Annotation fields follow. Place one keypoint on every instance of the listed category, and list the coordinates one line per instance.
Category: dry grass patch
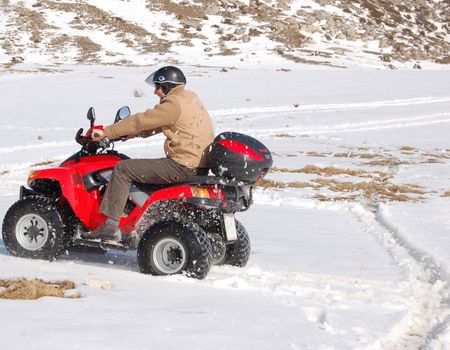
(357, 155)
(88, 49)
(316, 154)
(330, 171)
(44, 162)
(408, 150)
(391, 162)
(26, 289)
(432, 161)
(349, 154)
(264, 183)
(324, 198)
(438, 154)
(373, 189)
(284, 135)
(94, 18)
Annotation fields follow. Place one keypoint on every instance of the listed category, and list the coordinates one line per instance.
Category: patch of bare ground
(91, 17)
(44, 162)
(182, 9)
(284, 135)
(88, 49)
(331, 171)
(357, 155)
(21, 20)
(324, 198)
(52, 70)
(374, 190)
(265, 183)
(407, 148)
(190, 16)
(437, 154)
(371, 190)
(31, 289)
(431, 161)
(316, 154)
(289, 56)
(391, 162)
(349, 154)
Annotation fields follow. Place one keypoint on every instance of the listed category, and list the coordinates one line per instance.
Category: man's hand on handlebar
(97, 135)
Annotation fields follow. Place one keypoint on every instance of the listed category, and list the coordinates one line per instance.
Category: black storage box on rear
(238, 156)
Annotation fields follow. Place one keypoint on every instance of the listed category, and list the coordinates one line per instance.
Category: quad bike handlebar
(90, 146)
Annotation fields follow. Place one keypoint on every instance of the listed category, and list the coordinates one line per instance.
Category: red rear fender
(182, 193)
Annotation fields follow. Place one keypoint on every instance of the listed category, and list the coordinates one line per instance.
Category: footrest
(97, 243)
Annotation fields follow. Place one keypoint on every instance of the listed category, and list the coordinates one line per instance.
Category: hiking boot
(109, 231)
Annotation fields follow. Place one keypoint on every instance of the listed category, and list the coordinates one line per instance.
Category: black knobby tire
(238, 253)
(173, 247)
(33, 228)
(70, 222)
(219, 248)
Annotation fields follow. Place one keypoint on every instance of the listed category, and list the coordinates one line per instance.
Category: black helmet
(168, 77)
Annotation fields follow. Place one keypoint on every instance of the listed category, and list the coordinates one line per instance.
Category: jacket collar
(176, 90)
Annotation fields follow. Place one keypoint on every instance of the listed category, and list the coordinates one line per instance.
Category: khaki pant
(149, 171)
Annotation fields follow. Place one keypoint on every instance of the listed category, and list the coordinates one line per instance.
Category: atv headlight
(34, 174)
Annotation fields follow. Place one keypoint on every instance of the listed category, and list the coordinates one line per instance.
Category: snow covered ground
(337, 263)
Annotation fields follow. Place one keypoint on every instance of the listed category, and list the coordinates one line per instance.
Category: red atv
(176, 228)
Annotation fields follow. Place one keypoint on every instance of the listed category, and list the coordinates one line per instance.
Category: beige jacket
(183, 119)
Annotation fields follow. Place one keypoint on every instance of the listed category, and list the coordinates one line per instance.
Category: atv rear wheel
(238, 253)
(33, 228)
(173, 247)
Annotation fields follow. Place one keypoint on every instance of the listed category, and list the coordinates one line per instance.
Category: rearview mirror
(91, 115)
(122, 113)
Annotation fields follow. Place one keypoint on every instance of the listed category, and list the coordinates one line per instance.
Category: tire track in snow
(327, 289)
(331, 107)
(429, 314)
(63, 144)
(34, 146)
(428, 306)
(371, 125)
(264, 112)
(30, 128)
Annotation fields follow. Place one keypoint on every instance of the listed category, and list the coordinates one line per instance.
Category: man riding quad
(185, 122)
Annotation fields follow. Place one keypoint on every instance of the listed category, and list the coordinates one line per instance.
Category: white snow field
(350, 254)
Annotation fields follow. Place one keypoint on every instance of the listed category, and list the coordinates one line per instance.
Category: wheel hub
(169, 256)
(32, 232)
(174, 255)
(219, 248)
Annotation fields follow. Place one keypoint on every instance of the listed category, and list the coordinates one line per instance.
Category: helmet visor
(149, 80)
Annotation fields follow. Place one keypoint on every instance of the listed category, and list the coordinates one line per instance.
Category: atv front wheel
(172, 247)
(33, 228)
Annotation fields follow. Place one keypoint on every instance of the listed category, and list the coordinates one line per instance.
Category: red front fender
(83, 203)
